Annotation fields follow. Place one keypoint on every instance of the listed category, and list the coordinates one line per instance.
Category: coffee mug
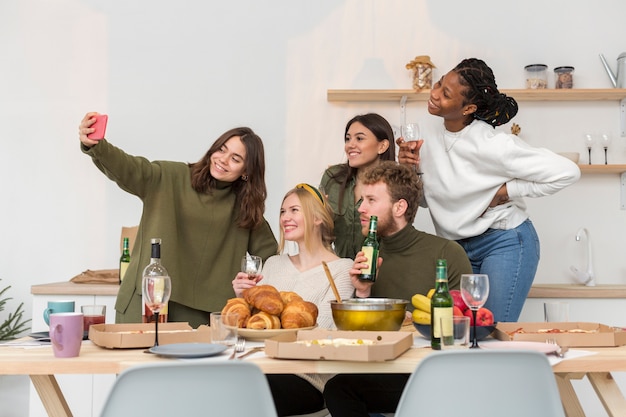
(65, 306)
(66, 334)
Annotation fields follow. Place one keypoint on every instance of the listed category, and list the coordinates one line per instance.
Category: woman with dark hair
(475, 179)
(208, 215)
(368, 139)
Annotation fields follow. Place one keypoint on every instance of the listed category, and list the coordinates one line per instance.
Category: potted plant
(14, 324)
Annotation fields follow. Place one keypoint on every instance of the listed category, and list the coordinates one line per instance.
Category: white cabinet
(85, 394)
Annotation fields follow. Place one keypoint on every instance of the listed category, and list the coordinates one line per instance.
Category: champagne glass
(251, 265)
(605, 140)
(411, 132)
(589, 140)
(156, 290)
(474, 291)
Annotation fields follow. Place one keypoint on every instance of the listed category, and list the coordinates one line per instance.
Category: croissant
(289, 296)
(263, 320)
(239, 306)
(264, 297)
(299, 313)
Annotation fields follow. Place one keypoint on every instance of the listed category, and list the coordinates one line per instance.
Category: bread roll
(289, 296)
(264, 297)
(263, 320)
(299, 313)
(239, 306)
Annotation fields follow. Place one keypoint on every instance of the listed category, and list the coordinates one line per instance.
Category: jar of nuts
(564, 77)
(422, 72)
(536, 76)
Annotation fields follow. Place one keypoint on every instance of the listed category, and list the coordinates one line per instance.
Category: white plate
(254, 334)
(536, 346)
(188, 350)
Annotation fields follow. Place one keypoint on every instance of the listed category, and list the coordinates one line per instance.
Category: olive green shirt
(202, 245)
(348, 234)
(409, 260)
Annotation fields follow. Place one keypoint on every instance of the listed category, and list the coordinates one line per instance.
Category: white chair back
(190, 388)
(483, 383)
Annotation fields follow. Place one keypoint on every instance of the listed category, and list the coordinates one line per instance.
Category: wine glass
(156, 290)
(605, 140)
(411, 132)
(589, 140)
(251, 265)
(474, 291)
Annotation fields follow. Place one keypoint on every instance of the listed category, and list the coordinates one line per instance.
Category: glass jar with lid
(536, 76)
(564, 77)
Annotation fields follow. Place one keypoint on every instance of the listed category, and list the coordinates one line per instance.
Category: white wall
(173, 75)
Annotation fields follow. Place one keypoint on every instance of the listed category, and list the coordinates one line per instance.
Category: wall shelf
(574, 94)
(602, 169)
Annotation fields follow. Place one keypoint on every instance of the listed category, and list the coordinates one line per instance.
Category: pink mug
(66, 334)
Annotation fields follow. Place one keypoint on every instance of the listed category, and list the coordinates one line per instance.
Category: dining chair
(191, 388)
(482, 383)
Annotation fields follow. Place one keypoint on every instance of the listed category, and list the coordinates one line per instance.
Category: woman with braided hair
(475, 179)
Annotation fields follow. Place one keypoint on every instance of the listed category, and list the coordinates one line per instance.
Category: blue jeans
(510, 258)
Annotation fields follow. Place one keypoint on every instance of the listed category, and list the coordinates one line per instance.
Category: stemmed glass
(156, 290)
(605, 140)
(251, 265)
(474, 291)
(589, 140)
(411, 132)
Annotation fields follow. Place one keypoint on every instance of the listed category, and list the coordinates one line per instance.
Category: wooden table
(41, 365)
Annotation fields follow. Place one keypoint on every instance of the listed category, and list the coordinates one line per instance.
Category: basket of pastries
(264, 312)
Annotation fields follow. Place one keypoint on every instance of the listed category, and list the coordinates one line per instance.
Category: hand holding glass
(251, 265)
(157, 290)
(411, 132)
(474, 291)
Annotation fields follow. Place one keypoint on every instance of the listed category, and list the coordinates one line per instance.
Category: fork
(560, 352)
(240, 346)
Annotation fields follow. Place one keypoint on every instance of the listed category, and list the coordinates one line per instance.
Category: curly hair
(402, 183)
(492, 106)
(251, 192)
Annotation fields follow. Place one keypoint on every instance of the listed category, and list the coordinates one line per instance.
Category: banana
(421, 317)
(430, 293)
(421, 302)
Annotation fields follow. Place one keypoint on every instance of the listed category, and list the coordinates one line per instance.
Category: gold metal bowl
(377, 314)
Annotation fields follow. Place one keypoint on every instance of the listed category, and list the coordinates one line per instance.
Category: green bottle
(370, 248)
(124, 259)
(440, 304)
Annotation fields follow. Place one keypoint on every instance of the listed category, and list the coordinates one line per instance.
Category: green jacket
(348, 234)
(202, 245)
(409, 258)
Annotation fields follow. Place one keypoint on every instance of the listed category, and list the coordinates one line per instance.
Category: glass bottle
(124, 259)
(440, 304)
(370, 249)
(154, 269)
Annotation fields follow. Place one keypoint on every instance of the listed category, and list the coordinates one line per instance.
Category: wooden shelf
(602, 169)
(574, 94)
(576, 291)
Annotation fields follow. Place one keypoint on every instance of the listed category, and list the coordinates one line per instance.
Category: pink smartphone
(100, 126)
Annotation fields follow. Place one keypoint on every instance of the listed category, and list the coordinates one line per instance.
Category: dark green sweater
(348, 234)
(409, 259)
(201, 245)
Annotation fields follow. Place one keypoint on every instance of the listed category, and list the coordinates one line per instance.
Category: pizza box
(573, 334)
(336, 345)
(141, 335)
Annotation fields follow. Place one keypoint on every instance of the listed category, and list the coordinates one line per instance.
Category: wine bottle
(154, 269)
(440, 304)
(124, 259)
(370, 249)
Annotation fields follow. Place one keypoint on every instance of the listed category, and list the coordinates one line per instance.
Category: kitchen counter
(72, 288)
(577, 291)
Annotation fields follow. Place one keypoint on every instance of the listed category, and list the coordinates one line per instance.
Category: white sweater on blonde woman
(311, 285)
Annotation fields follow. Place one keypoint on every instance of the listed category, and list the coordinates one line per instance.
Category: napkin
(102, 276)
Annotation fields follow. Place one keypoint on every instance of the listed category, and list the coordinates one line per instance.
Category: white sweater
(463, 171)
